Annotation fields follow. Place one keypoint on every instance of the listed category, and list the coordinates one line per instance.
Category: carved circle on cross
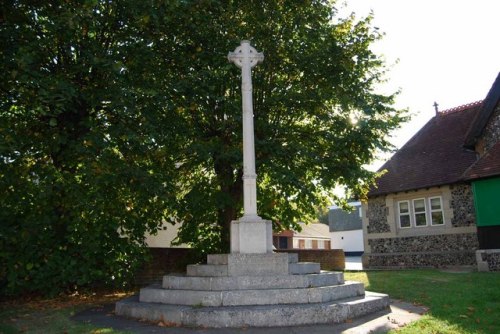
(245, 52)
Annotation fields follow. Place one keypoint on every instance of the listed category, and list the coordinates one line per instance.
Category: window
(436, 209)
(404, 214)
(419, 212)
(283, 243)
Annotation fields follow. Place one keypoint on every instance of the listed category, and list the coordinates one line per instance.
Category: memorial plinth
(251, 237)
(253, 290)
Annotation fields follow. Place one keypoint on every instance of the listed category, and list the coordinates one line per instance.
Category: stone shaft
(246, 57)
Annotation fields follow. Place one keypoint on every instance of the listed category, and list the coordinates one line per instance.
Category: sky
(444, 51)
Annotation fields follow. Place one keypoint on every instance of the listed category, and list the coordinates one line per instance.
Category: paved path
(400, 314)
(353, 263)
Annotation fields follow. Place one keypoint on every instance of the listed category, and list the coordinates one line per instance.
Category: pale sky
(448, 52)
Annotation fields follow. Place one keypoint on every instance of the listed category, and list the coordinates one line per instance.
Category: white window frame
(424, 212)
(404, 214)
(431, 211)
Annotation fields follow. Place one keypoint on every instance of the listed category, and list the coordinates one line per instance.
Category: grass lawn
(459, 303)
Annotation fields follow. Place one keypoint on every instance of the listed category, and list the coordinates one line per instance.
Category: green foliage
(117, 116)
(318, 120)
(84, 164)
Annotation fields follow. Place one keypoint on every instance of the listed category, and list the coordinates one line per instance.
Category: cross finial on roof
(436, 105)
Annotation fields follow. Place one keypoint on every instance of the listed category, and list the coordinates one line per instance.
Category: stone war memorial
(252, 286)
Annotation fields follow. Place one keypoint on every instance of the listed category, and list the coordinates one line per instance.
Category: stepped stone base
(255, 316)
(256, 290)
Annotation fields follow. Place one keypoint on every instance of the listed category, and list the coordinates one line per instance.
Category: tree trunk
(233, 186)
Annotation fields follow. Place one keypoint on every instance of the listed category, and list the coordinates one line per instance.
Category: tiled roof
(313, 231)
(434, 156)
(488, 165)
(461, 108)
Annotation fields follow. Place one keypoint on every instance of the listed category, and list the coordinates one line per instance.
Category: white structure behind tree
(346, 229)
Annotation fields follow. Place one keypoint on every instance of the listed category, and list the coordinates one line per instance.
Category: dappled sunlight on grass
(359, 276)
(458, 302)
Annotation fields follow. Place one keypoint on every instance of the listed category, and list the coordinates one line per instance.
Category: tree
(116, 116)
(86, 155)
(318, 120)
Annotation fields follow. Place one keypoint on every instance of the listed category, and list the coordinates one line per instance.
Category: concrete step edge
(254, 316)
(155, 294)
(183, 282)
(302, 268)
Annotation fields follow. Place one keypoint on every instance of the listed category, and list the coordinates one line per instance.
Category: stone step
(218, 270)
(181, 282)
(228, 258)
(303, 268)
(206, 270)
(251, 297)
(254, 316)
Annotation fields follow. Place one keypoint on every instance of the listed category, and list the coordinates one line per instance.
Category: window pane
(420, 219)
(283, 243)
(404, 221)
(437, 218)
(403, 207)
(419, 205)
(436, 203)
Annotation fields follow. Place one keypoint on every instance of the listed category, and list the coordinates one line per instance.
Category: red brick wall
(164, 261)
(330, 259)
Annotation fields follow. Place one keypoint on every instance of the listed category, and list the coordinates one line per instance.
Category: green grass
(458, 302)
(463, 303)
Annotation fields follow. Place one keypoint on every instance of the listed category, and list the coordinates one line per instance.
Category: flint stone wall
(377, 215)
(425, 243)
(462, 204)
(492, 132)
(493, 260)
(423, 251)
(421, 260)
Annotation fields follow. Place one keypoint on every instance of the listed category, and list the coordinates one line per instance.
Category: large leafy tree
(118, 115)
(318, 119)
(85, 167)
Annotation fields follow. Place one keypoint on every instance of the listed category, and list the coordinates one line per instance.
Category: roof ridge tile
(460, 108)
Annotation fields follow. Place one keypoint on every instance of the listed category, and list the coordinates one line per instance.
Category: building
(311, 236)
(164, 237)
(440, 189)
(346, 230)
